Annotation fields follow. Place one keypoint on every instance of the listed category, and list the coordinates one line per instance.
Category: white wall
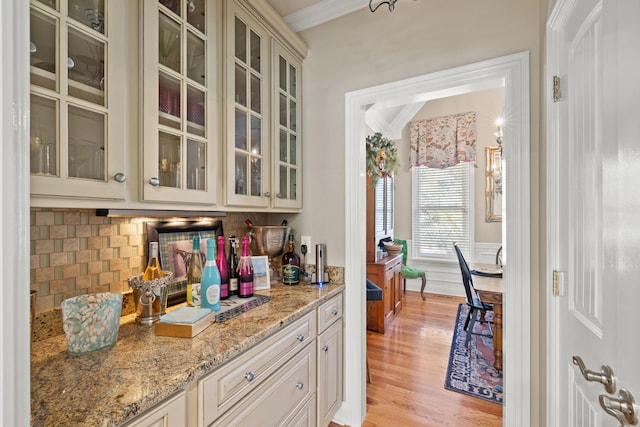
(364, 49)
(488, 106)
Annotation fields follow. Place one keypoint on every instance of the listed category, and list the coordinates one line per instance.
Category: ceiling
(303, 14)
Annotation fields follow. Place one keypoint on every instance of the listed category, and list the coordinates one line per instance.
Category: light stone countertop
(110, 387)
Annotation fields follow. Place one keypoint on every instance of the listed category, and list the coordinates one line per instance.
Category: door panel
(594, 160)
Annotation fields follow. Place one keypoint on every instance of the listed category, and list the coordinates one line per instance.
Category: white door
(594, 209)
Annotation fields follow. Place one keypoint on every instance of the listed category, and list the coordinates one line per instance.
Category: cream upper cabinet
(263, 114)
(180, 132)
(78, 139)
(287, 132)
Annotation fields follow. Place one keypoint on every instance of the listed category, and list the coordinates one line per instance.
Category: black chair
(476, 306)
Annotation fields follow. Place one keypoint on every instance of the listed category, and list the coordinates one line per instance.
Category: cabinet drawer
(172, 412)
(329, 312)
(234, 380)
(282, 395)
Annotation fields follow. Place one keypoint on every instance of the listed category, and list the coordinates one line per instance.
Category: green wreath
(382, 157)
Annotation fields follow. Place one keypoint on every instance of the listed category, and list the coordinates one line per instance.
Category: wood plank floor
(408, 365)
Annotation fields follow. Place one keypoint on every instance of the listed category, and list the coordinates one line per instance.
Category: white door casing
(511, 72)
(593, 238)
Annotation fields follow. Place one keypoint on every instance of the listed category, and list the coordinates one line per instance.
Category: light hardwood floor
(408, 365)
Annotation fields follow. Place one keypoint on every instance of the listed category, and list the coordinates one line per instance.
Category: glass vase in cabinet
(179, 101)
(77, 110)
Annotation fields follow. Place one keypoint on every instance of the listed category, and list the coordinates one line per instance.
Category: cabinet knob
(325, 348)
(299, 386)
(249, 376)
(267, 194)
(154, 181)
(279, 196)
(120, 177)
(300, 338)
(334, 312)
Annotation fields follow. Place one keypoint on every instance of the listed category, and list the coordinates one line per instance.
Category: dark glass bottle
(245, 271)
(233, 266)
(223, 268)
(291, 264)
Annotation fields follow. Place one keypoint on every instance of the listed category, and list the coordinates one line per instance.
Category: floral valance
(444, 141)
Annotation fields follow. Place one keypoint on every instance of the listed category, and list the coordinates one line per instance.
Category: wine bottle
(153, 270)
(233, 266)
(291, 264)
(194, 274)
(223, 268)
(211, 279)
(245, 271)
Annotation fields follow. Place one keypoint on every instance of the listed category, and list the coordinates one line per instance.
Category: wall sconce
(498, 133)
(391, 3)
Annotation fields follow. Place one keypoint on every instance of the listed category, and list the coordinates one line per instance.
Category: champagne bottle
(291, 264)
(223, 268)
(153, 270)
(211, 279)
(245, 271)
(194, 274)
(233, 266)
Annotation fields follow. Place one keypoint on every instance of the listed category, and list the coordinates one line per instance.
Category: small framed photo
(261, 279)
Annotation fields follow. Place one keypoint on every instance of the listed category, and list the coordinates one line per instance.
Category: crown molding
(322, 12)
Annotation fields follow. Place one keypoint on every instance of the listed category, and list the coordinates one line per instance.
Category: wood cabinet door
(397, 287)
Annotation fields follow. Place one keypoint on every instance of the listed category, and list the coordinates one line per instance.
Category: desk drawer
(233, 381)
(281, 396)
(329, 312)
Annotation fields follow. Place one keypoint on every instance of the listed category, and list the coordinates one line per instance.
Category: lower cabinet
(387, 274)
(329, 372)
(279, 397)
(292, 378)
(172, 412)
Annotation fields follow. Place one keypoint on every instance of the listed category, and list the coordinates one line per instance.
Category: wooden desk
(491, 290)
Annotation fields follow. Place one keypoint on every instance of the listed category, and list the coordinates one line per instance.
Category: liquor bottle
(211, 279)
(153, 270)
(194, 274)
(233, 266)
(245, 271)
(223, 268)
(291, 264)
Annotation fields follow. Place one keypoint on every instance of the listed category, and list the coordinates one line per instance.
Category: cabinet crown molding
(263, 11)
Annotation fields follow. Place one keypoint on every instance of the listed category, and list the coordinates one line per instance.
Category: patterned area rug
(471, 370)
(230, 308)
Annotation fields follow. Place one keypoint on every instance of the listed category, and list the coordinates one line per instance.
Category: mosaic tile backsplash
(75, 252)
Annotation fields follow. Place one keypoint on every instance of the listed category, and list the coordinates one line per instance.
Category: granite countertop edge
(111, 387)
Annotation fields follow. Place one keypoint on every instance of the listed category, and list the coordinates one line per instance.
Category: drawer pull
(300, 338)
(334, 312)
(249, 376)
(325, 348)
(299, 386)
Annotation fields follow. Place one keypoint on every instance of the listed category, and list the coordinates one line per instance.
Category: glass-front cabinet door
(77, 112)
(180, 133)
(287, 153)
(247, 68)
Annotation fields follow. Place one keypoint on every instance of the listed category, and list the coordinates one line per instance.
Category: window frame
(467, 244)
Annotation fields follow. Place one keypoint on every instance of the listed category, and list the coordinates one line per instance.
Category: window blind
(442, 210)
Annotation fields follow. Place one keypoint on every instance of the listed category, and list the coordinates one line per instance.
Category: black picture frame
(177, 236)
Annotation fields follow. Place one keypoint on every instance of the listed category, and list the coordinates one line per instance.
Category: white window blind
(442, 210)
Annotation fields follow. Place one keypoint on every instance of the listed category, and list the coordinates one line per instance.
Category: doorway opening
(512, 73)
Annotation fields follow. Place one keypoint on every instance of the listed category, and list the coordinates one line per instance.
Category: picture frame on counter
(175, 242)
(261, 276)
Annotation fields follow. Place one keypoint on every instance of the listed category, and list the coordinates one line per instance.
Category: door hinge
(556, 88)
(556, 285)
